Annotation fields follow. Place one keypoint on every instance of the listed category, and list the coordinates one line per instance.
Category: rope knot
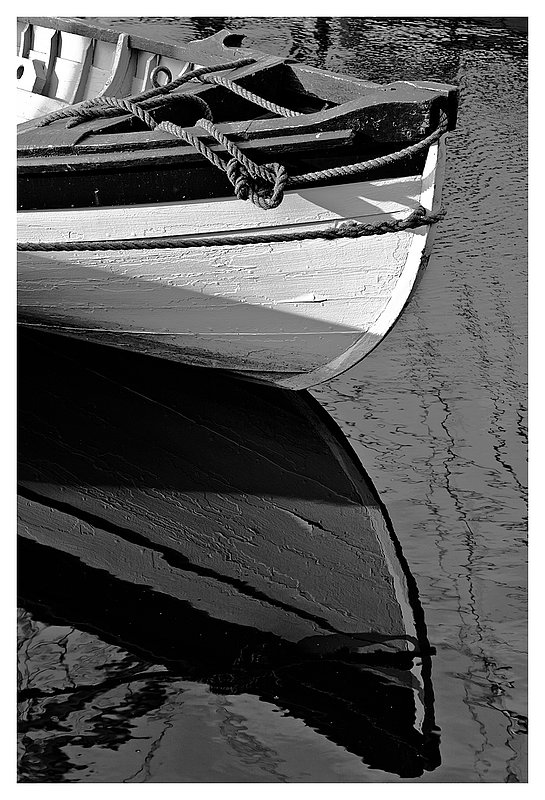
(255, 187)
(239, 177)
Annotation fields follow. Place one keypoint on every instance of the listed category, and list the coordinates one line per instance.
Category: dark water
(437, 415)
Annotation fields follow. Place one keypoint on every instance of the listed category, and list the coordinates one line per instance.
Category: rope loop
(200, 107)
(254, 188)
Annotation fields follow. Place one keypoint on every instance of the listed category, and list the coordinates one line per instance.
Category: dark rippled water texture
(438, 416)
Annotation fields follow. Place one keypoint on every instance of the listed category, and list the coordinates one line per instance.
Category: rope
(250, 181)
(264, 184)
(374, 163)
(351, 230)
(241, 168)
(253, 98)
(112, 109)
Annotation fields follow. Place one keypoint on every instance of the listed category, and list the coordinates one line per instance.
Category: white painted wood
(41, 39)
(223, 215)
(31, 105)
(341, 282)
(24, 38)
(119, 82)
(305, 275)
(312, 307)
(145, 64)
(72, 66)
(45, 42)
(104, 55)
(420, 248)
(96, 80)
(72, 75)
(100, 69)
(73, 47)
(31, 75)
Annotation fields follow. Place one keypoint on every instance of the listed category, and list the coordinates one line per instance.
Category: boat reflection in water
(218, 531)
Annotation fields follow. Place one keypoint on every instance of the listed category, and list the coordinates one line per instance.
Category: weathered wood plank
(303, 206)
(288, 300)
(185, 51)
(387, 115)
(119, 82)
(31, 105)
(73, 144)
(24, 38)
(146, 63)
(45, 43)
(31, 75)
(240, 274)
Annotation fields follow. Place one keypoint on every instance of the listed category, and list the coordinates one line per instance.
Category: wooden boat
(280, 241)
(227, 531)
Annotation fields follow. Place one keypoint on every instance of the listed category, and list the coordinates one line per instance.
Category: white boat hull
(291, 313)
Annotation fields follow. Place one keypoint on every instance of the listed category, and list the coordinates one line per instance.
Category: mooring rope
(348, 230)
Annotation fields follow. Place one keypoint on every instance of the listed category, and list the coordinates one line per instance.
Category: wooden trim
(51, 57)
(79, 89)
(32, 75)
(25, 41)
(115, 84)
(119, 149)
(152, 61)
